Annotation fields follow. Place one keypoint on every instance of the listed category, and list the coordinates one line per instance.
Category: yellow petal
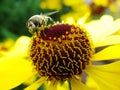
(56, 85)
(76, 84)
(71, 3)
(21, 46)
(111, 52)
(106, 76)
(110, 40)
(36, 84)
(103, 3)
(99, 29)
(51, 85)
(6, 45)
(63, 86)
(13, 72)
(91, 83)
(31, 79)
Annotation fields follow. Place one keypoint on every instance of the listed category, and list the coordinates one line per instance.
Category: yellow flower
(73, 17)
(5, 46)
(113, 5)
(62, 53)
(79, 10)
(14, 66)
(54, 4)
(72, 3)
(104, 3)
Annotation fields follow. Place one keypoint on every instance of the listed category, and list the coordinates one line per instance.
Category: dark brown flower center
(60, 51)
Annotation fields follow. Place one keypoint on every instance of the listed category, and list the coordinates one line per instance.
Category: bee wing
(50, 13)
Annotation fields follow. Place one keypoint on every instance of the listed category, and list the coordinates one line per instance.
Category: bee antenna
(50, 13)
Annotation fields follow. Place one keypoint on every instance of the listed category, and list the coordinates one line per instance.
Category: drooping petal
(110, 40)
(111, 52)
(36, 84)
(76, 84)
(106, 76)
(13, 72)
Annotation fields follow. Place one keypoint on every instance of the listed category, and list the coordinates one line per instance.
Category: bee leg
(43, 33)
(44, 21)
(36, 31)
(31, 31)
(50, 19)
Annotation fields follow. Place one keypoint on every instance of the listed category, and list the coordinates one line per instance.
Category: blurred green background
(14, 14)
(13, 17)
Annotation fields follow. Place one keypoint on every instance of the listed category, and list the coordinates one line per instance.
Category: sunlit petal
(19, 49)
(13, 72)
(110, 40)
(106, 76)
(21, 46)
(111, 52)
(99, 29)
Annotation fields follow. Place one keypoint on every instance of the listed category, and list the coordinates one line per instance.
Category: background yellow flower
(15, 68)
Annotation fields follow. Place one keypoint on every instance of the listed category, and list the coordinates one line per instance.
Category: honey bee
(36, 22)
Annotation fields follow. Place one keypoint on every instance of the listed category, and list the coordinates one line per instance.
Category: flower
(5, 46)
(14, 65)
(62, 53)
(112, 5)
(103, 3)
(71, 9)
(55, 5)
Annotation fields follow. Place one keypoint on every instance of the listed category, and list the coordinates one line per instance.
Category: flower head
(63, 52)
(65, 57)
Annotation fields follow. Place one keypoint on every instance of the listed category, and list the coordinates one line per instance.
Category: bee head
(34, 23)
